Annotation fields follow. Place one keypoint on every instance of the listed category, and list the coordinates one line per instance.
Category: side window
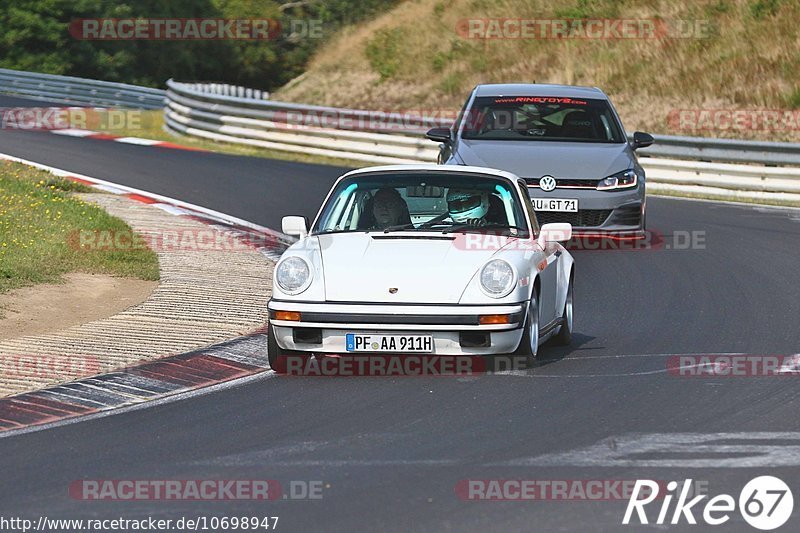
(528, 206)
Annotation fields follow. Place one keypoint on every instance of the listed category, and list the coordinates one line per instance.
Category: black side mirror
(642, 139)
(439, 135)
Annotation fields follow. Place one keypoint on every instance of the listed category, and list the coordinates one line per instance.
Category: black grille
(628, 216)
(581, 219)
(589, 184)
(561, 182)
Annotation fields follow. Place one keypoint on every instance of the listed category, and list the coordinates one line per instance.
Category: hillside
(703, 55)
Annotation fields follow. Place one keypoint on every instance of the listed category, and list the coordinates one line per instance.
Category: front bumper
(599, 212)
(455, 328)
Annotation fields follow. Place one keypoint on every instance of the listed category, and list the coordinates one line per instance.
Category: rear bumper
(455, 329)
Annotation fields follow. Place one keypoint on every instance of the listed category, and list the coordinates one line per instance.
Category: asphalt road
(390, 452)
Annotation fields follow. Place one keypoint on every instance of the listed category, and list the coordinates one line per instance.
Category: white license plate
(388, 343)
(569, 205)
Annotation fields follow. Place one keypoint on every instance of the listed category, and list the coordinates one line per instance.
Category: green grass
(39, 219)
(382, 52)
(707, 54)
(151, 126)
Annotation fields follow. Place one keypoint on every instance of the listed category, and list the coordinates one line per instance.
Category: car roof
(539, 89)
(433, 167)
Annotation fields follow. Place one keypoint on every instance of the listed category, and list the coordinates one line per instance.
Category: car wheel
(529, 345)
(277, 356)
(564, 336)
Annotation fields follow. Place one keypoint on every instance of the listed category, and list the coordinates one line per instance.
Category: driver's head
(387, 207)
(466, 204)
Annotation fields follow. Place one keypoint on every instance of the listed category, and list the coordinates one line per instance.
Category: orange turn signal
(485, 320)
(287, 315)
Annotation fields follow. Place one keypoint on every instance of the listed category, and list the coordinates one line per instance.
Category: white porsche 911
(422, 259)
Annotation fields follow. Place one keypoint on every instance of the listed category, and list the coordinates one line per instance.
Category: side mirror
(294, 226)
(642, 139)
(556, 232)
(439, 135)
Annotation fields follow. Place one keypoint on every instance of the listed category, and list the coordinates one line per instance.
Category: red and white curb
(170, 375)
(271, 243)
(160, 378)
(89, 134)
(151, 383)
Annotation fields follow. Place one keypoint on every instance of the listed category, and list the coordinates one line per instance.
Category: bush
(382, 51)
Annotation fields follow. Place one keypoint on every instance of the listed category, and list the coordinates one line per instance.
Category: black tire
(564, 336)
(529, 346)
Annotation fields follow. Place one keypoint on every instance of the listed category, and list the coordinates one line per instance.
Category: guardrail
(81, 91)
(723, 181)
(233, 114)
(689, 166)
(206, 110)
(724, 150)
(686, 166)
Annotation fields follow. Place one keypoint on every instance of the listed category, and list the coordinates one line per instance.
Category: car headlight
(497, 278)
(620, 180)
(293, 275)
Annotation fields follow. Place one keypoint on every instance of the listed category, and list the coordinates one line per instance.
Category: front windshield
(536, 118)
(439, 201)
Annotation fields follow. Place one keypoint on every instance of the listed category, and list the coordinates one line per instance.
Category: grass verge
(37, 216)
(707, 55)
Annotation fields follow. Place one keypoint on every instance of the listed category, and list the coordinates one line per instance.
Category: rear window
(541, 118)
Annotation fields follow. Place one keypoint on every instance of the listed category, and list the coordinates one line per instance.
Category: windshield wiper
(462, 227)
(398, 227)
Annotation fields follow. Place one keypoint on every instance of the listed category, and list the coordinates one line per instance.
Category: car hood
(533, 159)
(362, 267)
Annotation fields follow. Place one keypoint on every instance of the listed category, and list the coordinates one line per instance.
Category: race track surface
(390, 451)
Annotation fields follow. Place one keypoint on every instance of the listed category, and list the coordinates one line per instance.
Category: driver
(468, 206)
(389, 208)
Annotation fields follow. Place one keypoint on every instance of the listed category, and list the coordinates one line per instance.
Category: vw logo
(547, 183)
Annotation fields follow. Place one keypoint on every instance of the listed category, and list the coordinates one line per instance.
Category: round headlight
(293, 275)
(497, 278)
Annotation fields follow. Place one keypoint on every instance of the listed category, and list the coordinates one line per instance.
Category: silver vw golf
(566, 142)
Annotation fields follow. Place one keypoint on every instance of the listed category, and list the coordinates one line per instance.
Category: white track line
(138, 140)
(72, 132)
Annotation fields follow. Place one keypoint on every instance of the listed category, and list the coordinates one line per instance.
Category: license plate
(389, 343)
(569, 205)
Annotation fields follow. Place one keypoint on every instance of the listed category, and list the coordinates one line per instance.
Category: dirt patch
(81, 298)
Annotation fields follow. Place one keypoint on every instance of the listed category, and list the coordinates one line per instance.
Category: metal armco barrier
(725, 150)
(205, 110)
(691, 166)
(80, 91)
